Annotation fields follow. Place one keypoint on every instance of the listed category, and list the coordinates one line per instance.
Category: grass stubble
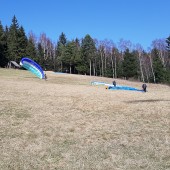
(65, 123)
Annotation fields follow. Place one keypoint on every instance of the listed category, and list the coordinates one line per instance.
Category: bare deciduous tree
(139, 49)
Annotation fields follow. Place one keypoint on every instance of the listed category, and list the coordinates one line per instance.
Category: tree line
(87, 56)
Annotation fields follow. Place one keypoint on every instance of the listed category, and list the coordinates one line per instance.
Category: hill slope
(65, 123)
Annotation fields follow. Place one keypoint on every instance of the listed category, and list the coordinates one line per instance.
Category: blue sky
(140, 21)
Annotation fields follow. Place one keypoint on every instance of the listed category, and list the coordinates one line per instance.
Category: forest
(87, 56)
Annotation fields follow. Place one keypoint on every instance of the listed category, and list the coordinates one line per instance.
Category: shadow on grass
(30, 77)
(147, 101)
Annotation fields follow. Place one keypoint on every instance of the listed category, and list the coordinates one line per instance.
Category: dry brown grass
(65, 123)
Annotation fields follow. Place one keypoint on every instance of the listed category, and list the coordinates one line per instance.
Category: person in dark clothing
(144, 86)
(45, 76)
(114, 83)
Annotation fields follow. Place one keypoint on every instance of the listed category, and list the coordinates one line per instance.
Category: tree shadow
(147, 101)
(30, 77)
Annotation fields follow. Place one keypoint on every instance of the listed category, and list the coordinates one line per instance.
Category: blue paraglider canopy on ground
(33, 67)
(117, 87)
(123, 88)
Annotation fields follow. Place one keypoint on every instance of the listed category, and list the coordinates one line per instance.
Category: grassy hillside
(65, 123)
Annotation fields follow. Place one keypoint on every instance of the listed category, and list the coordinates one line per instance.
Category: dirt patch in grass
(65, 123)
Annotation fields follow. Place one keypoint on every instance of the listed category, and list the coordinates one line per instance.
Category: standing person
(144, 86)
(114, 83)
(45, 76)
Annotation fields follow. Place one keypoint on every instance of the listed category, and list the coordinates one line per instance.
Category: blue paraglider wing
(123, 88)
(33, 67)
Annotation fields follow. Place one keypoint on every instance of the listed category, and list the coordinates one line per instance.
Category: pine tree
(120, 69)
(12, 41)
(88, 52)
(160, 72)
(62, 39)
(60, 51)
(168, 63)
(78, 57)
(130, 65)
(22, 42)
(6, 42)
(31, 49)
(40, 54)
(68, 56)
(168, 49)
(71, 56)
(3, 59)
(168, 43)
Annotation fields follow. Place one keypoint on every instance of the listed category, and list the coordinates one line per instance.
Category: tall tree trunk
(147, 75)
(115, 65)
(95, 64)
(90, 67)
(54, 59)
(45, 58)
(100, 72)
(94, 70)
(61, 66)
(70, 68)
(102, 64)
(54, 62)
(152, 68)
(162, 58)
(112, 65)
(141, 70)
(105, 63)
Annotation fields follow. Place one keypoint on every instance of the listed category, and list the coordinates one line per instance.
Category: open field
(64, 123)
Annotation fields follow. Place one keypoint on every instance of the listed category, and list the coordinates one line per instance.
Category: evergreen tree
(59, 55)
(71, 56)
(61, 44)
(22, 42)
(168, 49)
(12, 41)
(3, 59)
(40, 54)
(6, 41)
(60, 51)
(168, 43)
(130, 65)
(31, 49)
(120, 69)
(160, 72)
(88, 52)
(168, 63)
(68, 56)
(78, 58)
(62, 39)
